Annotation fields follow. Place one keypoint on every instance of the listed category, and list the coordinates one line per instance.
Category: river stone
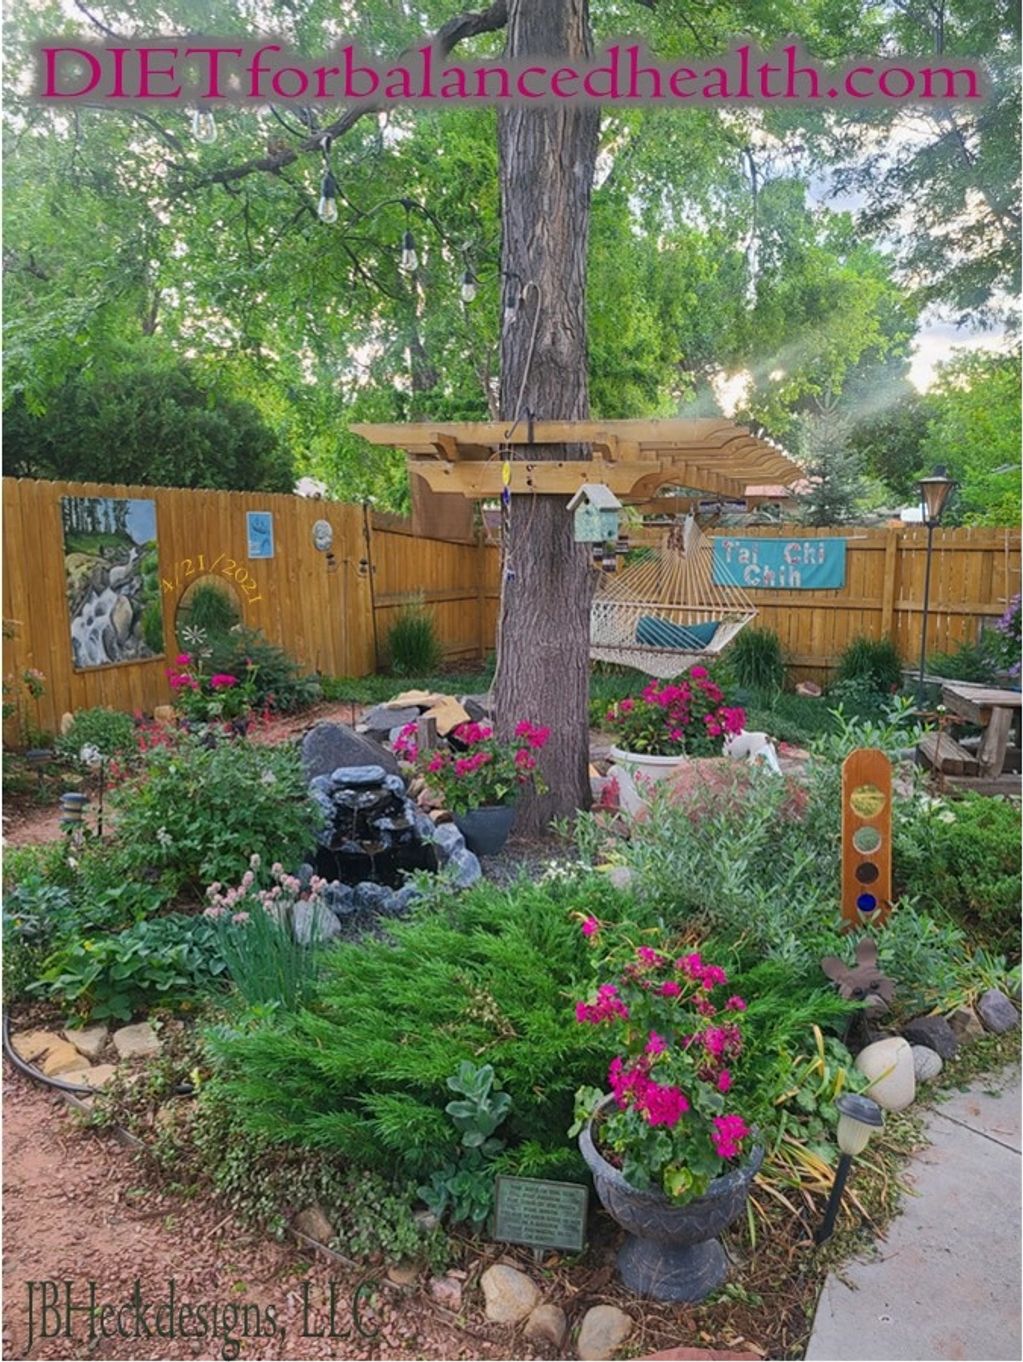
(510, 1294)
(604, 1329)
(997, 1012)
(547, 1324)
(966, 1025)
(927, 1063)
(328, 746)
(935, 1033)
(402, 899)
(466, 867)
(372, 897)
(357, 777)
(447, 839)
(894, 1090)
(313, 923)
(396, 785)
(136, 1042)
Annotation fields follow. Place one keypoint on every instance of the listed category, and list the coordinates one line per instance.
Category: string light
(511, 298)
(468, 286)
(326, 209)
(204, 125)
(409, 259)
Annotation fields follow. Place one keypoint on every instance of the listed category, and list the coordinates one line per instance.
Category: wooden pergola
(633, 458)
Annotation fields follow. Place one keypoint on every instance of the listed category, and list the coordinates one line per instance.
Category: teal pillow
(687, 638)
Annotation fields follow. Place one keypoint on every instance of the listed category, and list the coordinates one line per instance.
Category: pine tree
(834, 469)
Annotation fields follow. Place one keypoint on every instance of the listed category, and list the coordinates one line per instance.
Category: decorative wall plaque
(541, 1214)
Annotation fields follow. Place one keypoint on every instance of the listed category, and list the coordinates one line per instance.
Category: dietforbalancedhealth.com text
(208, 70)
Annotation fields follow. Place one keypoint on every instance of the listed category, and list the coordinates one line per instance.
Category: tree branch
(456, 30)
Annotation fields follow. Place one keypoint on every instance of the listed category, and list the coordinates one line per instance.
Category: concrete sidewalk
(946, 1282)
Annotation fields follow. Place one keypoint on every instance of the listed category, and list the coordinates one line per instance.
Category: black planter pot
(672, 1252)
(486, 829)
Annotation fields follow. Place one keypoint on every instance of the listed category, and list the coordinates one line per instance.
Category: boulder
(89, 1041)
(328, 746)
(996, 1012)
(927, 1063)
(313, 924)
(32, 1045)
(448, 714)
(547, 1324)
(935, 1033)
(340, 899)
(447, 1292)
(313, 1223)
(59, 1059)
(402, 900)
(888, 1064)
(510, 1295)
(465, 868)
(372, 897)
(136, 1042)
(478, 707)
(381, 719)
(604, 1329)
(357, 777)
(447, 839)
(966, 1025)
(395, 784)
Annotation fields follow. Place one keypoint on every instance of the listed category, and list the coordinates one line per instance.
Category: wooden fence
(332, 611)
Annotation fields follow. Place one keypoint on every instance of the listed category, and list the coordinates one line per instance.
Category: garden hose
(76, 1089)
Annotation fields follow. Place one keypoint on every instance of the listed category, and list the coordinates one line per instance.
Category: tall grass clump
(757, 661)
(412, 642)
(268, 966)
(872, 662)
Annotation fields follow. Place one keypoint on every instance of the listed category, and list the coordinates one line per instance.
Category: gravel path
(76, 1210)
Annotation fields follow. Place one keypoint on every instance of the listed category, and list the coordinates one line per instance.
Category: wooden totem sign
(866, 838)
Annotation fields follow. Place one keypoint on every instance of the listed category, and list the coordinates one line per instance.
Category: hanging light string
(326, 209)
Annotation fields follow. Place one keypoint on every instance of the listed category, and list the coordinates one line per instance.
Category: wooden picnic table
(992, 709)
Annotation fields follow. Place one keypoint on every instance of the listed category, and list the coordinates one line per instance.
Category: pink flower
(524, 759)
(670, 989)
(184, 659)
(690, 964)
(627, 705)
(608, 1005)
(724, 1080)
(713, 975)
(590, 927)
(534, 736)
(664, 1105)
(727, 1134)
(240, 918)
(697, 673)
(436, 762)
(222, 681)
(649, 956)
(736, 1004)
(656, 1044)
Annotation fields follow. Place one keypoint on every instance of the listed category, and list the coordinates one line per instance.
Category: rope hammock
(665, 612)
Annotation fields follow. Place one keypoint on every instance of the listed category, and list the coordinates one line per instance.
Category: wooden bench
(993, 710)
(942, 753)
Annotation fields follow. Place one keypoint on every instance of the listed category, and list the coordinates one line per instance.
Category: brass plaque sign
(540, 1214)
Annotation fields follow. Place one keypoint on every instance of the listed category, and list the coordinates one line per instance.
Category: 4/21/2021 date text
(229, 567)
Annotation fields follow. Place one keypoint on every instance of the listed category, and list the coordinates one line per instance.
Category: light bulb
(511, 302)
(409, 259)
(326, 209)
(204, 125)
(468, 286)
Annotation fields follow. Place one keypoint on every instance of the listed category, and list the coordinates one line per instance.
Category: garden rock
(604, 1329)
(357, 777)
(447, 840)
(935, 1033)
(478, 707)
(447, 1292)
(466, 867)
(32, 1045)
(809, 689)
(402, 899)
(888, 1064)
(60, 1058)
(927, 1063)
(370, 897)
(328, 746)
(89, 1041)
(314, 924)
(90, 1075)
(403, 1274)
(381, 720)
(340, 899)
(321, 785)
(997, 1012)
(966, 1025)
(510, 1294)
(547, 1324)
(395, 784)
(136, 1042)
(313, 1223)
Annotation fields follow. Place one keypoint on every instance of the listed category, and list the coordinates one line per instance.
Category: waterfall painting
(112, 580)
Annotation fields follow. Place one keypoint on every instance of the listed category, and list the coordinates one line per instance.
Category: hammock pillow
(683, 638)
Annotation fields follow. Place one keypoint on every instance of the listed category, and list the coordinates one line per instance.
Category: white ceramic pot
(642, 764)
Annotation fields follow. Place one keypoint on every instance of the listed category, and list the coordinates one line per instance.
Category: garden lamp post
(934, 493)
(858, 1118)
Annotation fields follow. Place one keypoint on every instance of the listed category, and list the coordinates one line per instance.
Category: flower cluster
(678, 1040)
(276, 898)
(679, 718)
(208, 699)
(1008, 629)
(474, 769)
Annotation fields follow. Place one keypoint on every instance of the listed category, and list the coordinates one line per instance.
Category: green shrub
(277, 678)
(969, 662)
(163, 961)
(963, 858)
(757, 661)
(211, 609)
(412, 644)
(196, 813)
(872, 664)
(493, 972)
(110, 732)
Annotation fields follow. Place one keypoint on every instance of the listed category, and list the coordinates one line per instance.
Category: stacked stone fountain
(373, 834)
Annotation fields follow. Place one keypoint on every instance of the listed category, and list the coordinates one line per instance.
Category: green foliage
(195, 813)
(492, 971)
(872, 664)
(412, 643)
(110, 732)
(275, 678)
(834, 469)
(464, 1186)
(798, 719)
(969, 662)
(32, 913)
(962, 857)
(757, 661)
(268, 966)
(210, 608)
(163, 961)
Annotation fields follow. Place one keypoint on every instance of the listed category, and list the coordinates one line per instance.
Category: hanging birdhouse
(595, 509)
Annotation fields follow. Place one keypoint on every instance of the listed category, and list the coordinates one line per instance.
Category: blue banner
(779, 564)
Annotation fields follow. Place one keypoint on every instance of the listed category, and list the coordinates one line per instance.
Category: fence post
(891, 572)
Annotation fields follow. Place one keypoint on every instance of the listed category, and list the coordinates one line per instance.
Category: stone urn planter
(486, 829)
(672, 1252)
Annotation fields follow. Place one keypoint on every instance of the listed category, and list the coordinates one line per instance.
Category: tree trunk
(547, 161)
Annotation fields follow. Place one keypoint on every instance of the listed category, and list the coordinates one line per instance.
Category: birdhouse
(595, 509)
